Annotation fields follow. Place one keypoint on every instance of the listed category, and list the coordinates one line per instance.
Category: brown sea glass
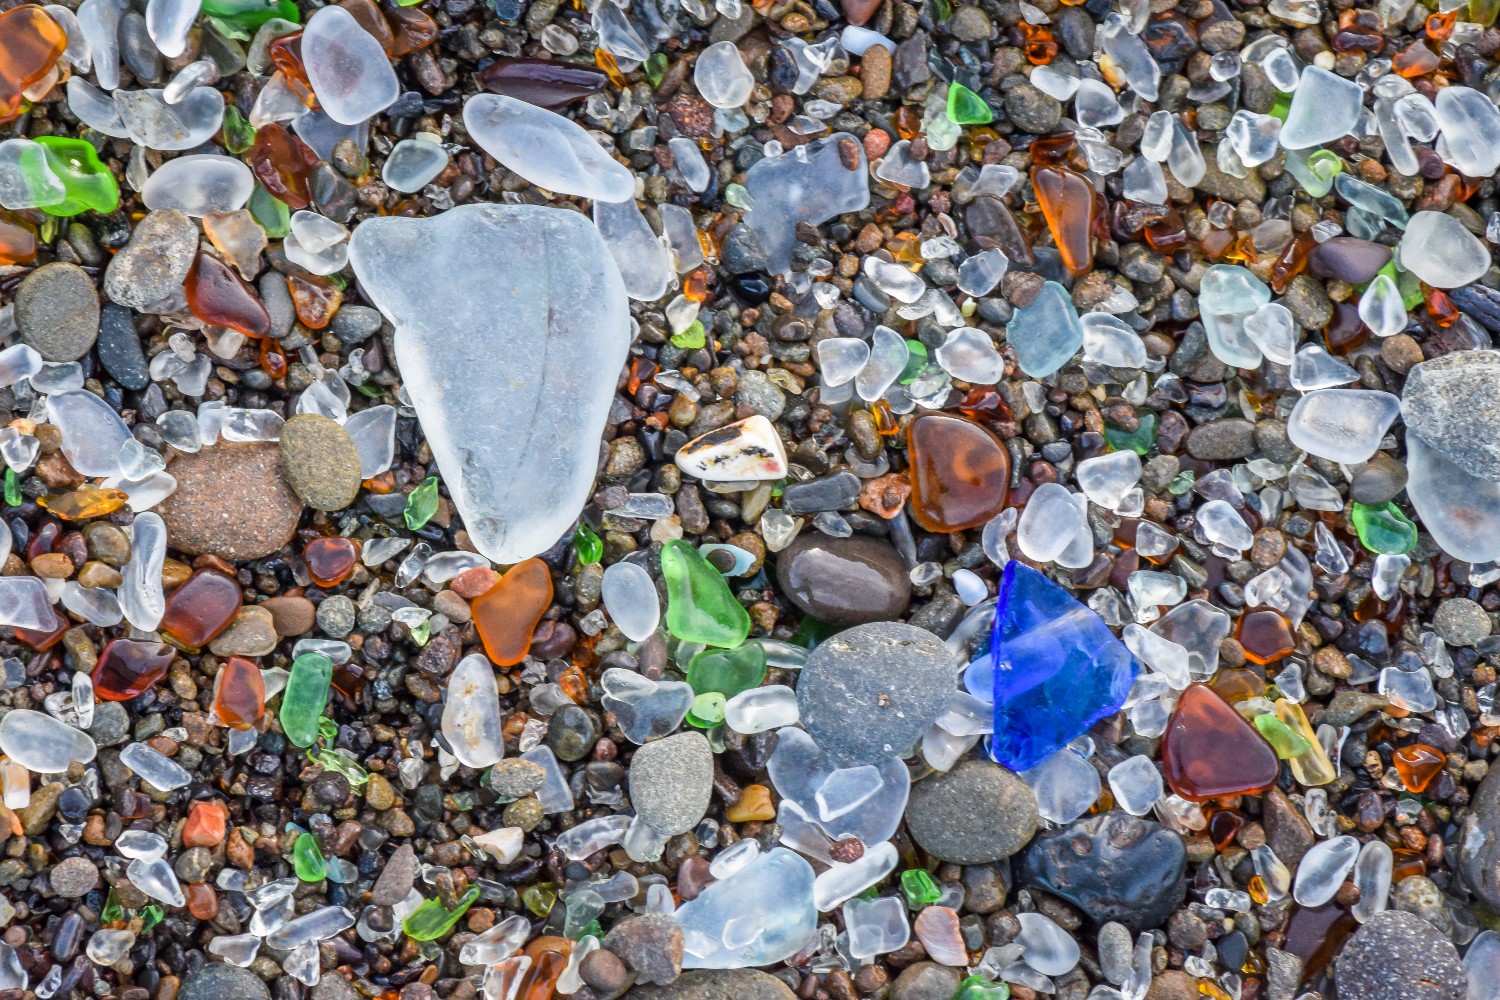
(412, 28)
(202, 901)
(960, 472)
(283, 163)
(1265, 634)
(1067, 201)
(44, 639)
(201, 608)
(17, 242)
(369, 17)
(315, 299)
(330, 560)
(506, 615)
(82, 504)
(547, 83)
(1209, 751)
(239, 693)
(31, 42)
(219, 297)
(128, 668)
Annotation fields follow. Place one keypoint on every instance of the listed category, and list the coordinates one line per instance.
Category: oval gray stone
(217, 981)
(717, 984)
(872, 691)
(57, 311)
(1479, 842)
(1453, 404)
(976, 813)
(671, 781)
(511, 329)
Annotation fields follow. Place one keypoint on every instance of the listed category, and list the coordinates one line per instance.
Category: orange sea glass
(1209, 751)
(1068, 204)
(507, 614)
(1265, 634)
(17, 243)
(219, 297)
(201, 608)
(80, 505)
(1417, 765)
(960, 472)
(128, 668)
(315, 299)
(330, 560)
(239, 693)
(31, 42)
(44, 639)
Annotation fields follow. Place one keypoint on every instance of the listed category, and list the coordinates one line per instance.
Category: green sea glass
(700, 605)
(305, 695)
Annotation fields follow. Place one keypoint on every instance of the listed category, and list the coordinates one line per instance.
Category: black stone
(1112, 866)
(120, 348)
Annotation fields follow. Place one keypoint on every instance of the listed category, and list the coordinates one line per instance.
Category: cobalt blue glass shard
(1054, 669)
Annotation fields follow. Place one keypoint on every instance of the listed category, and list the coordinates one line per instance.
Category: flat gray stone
(1453, 404)
(156, 261)
(717, 984)
(1399, 956)
(671, 781)
(511, 330)
(1478, 860)
(976, 813)
(871, 692)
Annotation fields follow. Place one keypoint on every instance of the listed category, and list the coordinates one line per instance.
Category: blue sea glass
(1054, 669)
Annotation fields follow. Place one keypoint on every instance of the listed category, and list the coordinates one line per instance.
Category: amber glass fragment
(1037, 42)
(80, 505)
(272, 358)
(1314, 934)
(1067, 201)
(17, 243)
(128, 668)
(1223, 825)
(542, 979)
(411, 28)
(316, 299)
(1265, 634)
(239, 693)
(960, 472)
(1235, 684)
(1417, 765)
(31, 42)
(201, 608)
(1209, 751)
(1292, 261)
(202, 901)
(218, 296)
(507, 614)
(1346, 332)
(330, 560)
(1415, 60)
(369, 17)
(285, 54)
(44, 639)
(282, 163)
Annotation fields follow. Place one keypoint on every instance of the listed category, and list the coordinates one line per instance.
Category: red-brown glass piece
(218, 296)
(1210, 751)
(1067, 201)
(412, 29)
(129, 667)
(202, 901)
(283, 163)
(239, 693)
(960, 472)
(506, 615)
(201, 608)
(44, 639)
(1265, 634)
(330, 560)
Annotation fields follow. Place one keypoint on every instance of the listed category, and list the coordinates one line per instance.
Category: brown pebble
(291, 615)
(603, 972)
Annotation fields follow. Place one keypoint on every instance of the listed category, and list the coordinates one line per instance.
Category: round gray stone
(717, 984)
(73, 877)
(155, 262)
(976, 813)
(319, 461)
(926, 981)
(1461, 622)
(1399, 956)
(671, 781)
(872, 691)
(1453, 404)
(57, 311)
(218, 981)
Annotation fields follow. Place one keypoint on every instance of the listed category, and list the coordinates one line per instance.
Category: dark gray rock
(975, 813)
(217, 981)
(1112, 866)
(671, 781)
(1222, 440)
(1453, 404)
(1377, 481)
(844, 581)
(119, 348)
(871, 691)
(831, 492)
(1479, 842)
(57, 311)
(1399, 956)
